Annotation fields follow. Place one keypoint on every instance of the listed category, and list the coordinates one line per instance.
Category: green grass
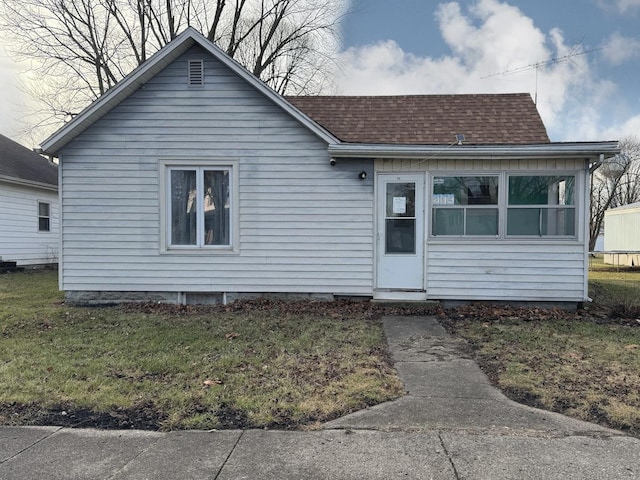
(203, 368)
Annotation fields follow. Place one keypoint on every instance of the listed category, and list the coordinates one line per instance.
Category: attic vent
(196, 73)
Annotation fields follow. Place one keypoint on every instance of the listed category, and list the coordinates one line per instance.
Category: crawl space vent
(196, 73)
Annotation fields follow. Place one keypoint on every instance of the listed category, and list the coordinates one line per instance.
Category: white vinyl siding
(303, 226)
(506, 271)
(20, 238)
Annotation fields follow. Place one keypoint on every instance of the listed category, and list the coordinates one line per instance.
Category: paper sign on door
(399, 205)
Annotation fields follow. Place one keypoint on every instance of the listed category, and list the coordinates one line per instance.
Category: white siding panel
(20, 240)
(506, 271)
(304, 226)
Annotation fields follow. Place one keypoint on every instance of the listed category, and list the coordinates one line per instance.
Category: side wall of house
(527, 269)
(304, 226)
(20, 240)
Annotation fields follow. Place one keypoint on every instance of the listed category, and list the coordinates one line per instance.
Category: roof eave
(565, 149)
(96, 110)
(28, 183)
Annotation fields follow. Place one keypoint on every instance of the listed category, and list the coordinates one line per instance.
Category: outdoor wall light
(362, 175)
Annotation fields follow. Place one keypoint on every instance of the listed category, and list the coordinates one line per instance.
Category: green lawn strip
(199, 369)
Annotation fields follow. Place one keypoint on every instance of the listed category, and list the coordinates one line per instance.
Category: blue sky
(428, 46)
(461, 46)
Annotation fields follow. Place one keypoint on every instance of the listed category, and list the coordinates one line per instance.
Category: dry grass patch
(585, 367)
(257, 364)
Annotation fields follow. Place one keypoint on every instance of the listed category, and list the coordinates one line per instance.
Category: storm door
(400, 236)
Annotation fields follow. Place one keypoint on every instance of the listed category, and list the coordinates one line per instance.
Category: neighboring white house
(192, 181)
(28, 206)
(622, 235)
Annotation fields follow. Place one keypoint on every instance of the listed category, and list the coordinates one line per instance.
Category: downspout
(593, 167)
(589, 171)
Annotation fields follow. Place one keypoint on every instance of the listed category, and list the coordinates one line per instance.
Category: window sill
(503, 241)
(200, 251)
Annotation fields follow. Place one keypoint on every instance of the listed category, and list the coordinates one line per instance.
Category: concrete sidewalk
(452, 425)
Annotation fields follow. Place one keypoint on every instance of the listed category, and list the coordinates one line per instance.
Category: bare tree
(81, 48)
(614, 184)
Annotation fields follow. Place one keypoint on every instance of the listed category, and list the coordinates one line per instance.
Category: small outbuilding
(28, 206)
(622, 235)
(192, 181)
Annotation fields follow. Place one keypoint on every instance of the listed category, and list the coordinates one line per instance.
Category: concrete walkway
(452, 425)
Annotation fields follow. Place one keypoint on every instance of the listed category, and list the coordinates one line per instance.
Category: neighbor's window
(200, 207)
(541, 206)
(465, 205)
(44, 217)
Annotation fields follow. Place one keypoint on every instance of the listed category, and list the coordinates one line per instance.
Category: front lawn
(584, 364)
(255, 364)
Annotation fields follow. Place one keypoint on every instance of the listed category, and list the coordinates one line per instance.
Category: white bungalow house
(28, 206)
(191, 181)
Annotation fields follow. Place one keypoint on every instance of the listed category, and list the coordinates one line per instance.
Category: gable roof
(506, 119)
(21, 165)
(152, 67)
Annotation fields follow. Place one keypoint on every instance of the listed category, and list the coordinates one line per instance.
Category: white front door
(400, 236)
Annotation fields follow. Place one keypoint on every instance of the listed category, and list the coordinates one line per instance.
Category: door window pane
(400, 235)
(401, 200)
(400, 221)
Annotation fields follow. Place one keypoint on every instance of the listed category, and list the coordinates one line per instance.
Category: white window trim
(464, 207)
(503, 206)
(165, 166)
(576, 206)
(42, 216)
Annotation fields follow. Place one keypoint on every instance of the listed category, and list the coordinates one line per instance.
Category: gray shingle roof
(484, 119)
(20, 163)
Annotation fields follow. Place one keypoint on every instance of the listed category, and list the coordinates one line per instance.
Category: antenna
(565, 58)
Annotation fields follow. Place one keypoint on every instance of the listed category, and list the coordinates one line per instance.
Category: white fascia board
(142, 74)
(28, 183)
(426, 152)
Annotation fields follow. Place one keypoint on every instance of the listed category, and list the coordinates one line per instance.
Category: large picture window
(541, 206)
(465, 205)
(200, 206)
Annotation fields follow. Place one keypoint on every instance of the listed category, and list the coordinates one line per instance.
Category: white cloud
(618, 49)
(625, 5)
(495, 48)
(622, 7)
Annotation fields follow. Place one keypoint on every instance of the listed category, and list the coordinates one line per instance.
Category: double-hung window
(200, 210)
(465, 205)
(44, 217)
(541, 206)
